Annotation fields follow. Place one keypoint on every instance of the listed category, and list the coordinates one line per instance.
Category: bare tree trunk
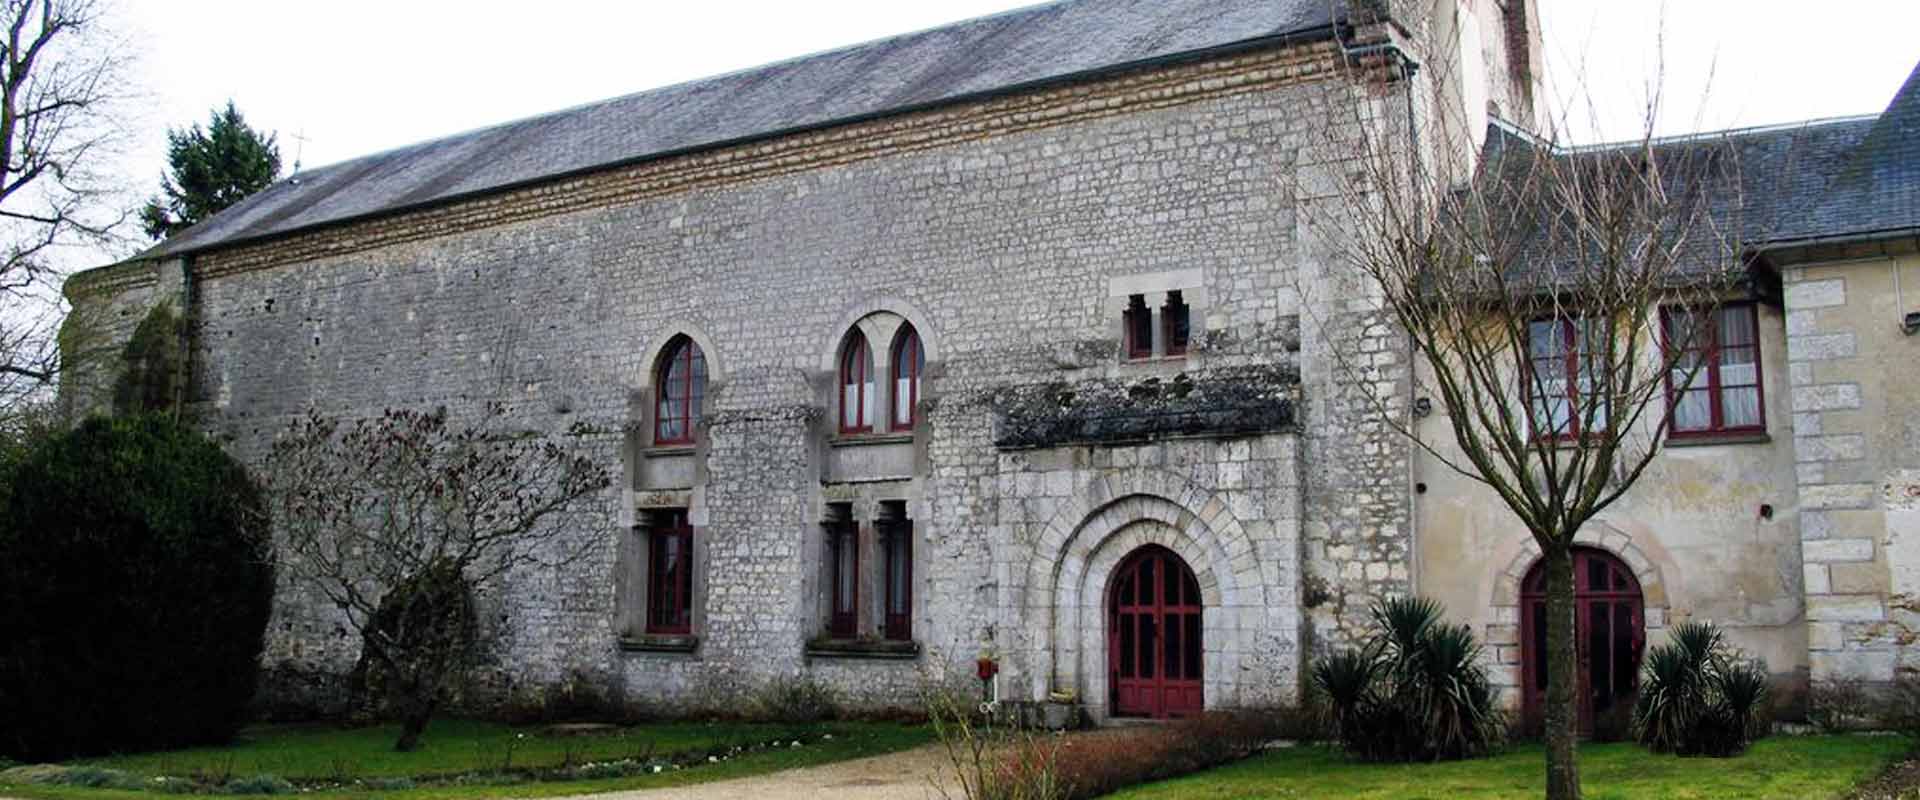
(1562, 715)
(415, 713)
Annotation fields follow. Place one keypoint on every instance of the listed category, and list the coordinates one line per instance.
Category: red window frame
(670, 573)
(896, 552)
(1570, 372)
(855, 362)
(687, 387)
(1138, 319)
(1710, 352)
(843, 579)
(908, 361)
(1175, 323)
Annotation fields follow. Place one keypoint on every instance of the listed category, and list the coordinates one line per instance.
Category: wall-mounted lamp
(1911, 324)
(1422, 406)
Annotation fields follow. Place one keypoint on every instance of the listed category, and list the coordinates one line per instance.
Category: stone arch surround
(1077, 551)
(1639, 552)
(828, 351)
(716, 368)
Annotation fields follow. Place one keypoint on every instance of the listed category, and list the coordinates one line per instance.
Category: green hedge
(136, 580)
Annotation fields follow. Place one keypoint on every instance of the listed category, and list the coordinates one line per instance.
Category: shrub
(1098, 765)
(799, 699)
(1839, 704)
(994, 761)
(1698, 698)
(135, 584)
(1414, 691)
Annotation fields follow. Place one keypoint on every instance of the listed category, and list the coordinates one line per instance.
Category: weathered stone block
(1816, 294)
(1826, 397)
(1846, 608)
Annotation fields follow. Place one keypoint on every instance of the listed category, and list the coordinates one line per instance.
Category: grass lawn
(1788, 768)
(309, 754)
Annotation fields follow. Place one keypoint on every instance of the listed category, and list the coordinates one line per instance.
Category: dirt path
(894, 775)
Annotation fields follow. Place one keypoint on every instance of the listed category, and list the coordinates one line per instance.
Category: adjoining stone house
(986, 339)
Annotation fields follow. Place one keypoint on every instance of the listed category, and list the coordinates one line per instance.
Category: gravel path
(895, 775)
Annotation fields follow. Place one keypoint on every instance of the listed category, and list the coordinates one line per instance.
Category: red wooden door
(1609, 635)
(1154, 637)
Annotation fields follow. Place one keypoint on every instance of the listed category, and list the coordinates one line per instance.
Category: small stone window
(1713, 386)
(669, 572)
(1139, 323)
(843, 573)
(1174, 324)
(896, 553)
(856, 385)
(909, 360)
(680, 384)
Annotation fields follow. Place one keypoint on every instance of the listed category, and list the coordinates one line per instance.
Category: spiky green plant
(1697, 697)
(1415, 691)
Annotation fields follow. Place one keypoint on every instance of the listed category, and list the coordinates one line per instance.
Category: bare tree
(1551, 297)
(401, 520)
(63, 83)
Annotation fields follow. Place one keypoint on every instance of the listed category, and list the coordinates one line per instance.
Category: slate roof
(1017, 49)
(1878, 189)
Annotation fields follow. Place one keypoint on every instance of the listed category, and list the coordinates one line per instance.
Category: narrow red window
(681, 383)
(1565, 377)
(896, 544)
(1139, 324)
(1174, 324)
(1713, 386)
(856, 385)
(843, 578)
(908, 362)
(670, 573)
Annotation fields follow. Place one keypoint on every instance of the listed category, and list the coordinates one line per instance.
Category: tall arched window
(909, 360)
(680, 385)
(856, 385)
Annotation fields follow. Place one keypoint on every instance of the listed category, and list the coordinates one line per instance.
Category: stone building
(989, 339)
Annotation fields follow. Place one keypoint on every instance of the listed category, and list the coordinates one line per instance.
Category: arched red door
(1609, 635)
(1154, 637)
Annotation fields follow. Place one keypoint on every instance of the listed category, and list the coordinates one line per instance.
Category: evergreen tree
(211, 170)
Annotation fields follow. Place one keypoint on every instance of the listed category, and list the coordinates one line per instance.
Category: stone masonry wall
(1001, 232)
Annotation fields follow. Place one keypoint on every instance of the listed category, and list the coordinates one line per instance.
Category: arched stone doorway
(1154, 637)
(1609, 634)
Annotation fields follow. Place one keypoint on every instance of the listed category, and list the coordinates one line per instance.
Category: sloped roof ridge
(1029, 46)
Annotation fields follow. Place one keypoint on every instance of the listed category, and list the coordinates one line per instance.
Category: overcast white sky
(344, 78)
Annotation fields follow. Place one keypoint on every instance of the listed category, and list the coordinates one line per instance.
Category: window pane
(1126, 645)
(1149, 642)
(844, 568)
(1193, 647)
(903, 392)
(897, 566)
(1736, 326)
(856, 383)
(1740, 407)
(850, 406)
(1738, 367)
(1692, 412)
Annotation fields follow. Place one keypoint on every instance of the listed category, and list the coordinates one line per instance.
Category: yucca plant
(1697, 697)
(1415, 691)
